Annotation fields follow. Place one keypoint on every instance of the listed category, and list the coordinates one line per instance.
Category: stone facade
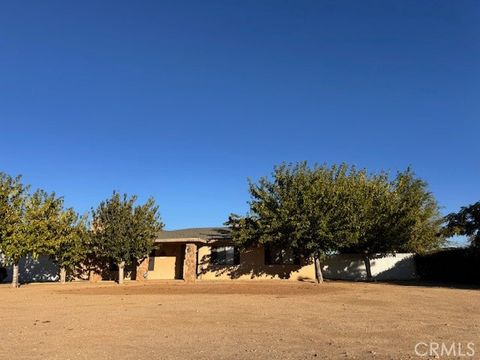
(142, 270)
(190, 263)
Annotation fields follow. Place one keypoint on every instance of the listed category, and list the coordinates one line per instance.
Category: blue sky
(184, 100)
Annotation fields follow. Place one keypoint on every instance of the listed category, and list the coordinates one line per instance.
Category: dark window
(225, 255)
(151, 263)
(151, 260)
(278, 256)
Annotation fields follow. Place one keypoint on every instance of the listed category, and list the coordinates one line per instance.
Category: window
(278, 256)
(151, 261)
(225, 255)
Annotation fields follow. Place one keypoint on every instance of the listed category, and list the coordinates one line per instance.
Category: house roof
(194, 234)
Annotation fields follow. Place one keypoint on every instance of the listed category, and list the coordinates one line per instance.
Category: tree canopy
(319, 210)
(465, 222)
(38, 224)
(397, 215)
(124, 232)
(72, 241)
(13, 200)
(28, 222)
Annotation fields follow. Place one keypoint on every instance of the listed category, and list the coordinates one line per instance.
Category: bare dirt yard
(233, 320)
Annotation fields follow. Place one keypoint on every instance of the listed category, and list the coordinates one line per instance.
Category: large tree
(13, 199)
(125, 232)
(371, 198)
(27, 222)
(301, 209)
(321, 210)
(416, 214)
(466, 222)
(72, 242)
(398, 215)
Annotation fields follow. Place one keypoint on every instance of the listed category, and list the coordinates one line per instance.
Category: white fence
(32, 270)
(400, 266)
(340, 267)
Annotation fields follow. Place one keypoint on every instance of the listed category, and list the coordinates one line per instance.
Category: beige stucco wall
(252, 266)
(164, 268)
(169, 264)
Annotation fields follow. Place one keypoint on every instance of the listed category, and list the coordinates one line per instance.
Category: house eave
(181, 240)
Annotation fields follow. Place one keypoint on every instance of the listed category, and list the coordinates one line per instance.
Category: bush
(450, 265)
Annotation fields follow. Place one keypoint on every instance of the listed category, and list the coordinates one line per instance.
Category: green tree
(124, 232)
(416, 215)
(301, 209)
(72, 242)
(373, 208)
(41, 221)
(27, 222)
(321, 210)
(398, 215)
(13, 199)
(466, 222)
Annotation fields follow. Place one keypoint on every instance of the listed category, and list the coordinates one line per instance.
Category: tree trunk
(368, 267)
(63, 275)
(15, 275)
(318, 268)
(121, 268)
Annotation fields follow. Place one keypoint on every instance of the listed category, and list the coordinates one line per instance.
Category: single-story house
(209, 254)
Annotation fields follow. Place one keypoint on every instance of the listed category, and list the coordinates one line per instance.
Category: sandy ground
(234, 320)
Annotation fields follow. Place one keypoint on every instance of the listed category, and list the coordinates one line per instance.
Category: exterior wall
(168, 262)
(252, 266)
(31, 270)
(400, 266)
